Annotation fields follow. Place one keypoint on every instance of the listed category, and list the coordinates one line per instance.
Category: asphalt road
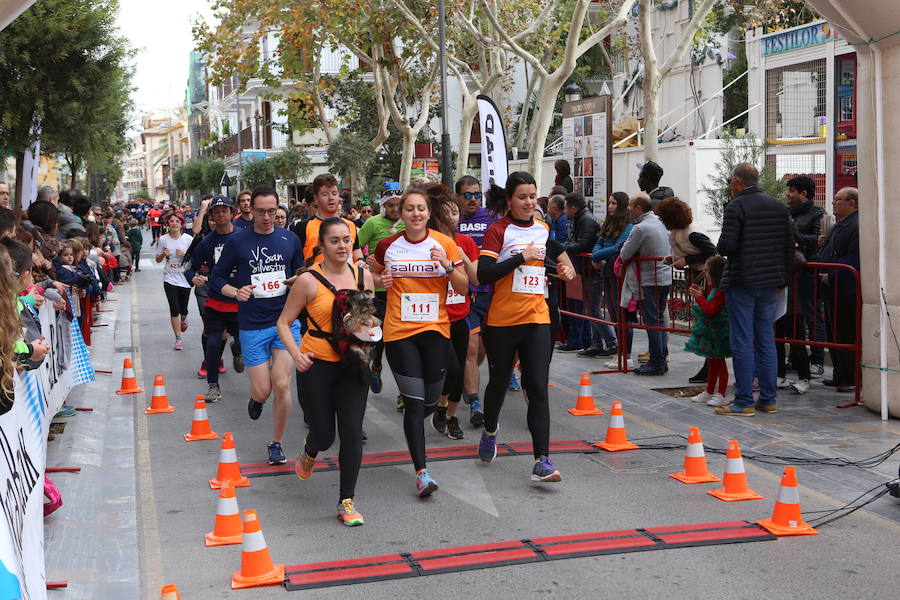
(854, 556)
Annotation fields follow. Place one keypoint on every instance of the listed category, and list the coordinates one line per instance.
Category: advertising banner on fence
(23, 453)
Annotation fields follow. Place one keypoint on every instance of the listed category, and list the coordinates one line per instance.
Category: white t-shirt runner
(174, 269)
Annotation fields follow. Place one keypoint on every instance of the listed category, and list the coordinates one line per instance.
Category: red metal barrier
(597, 305)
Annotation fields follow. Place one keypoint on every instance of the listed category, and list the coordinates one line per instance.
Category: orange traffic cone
(695, 469)
(735, 479)
(256, 564)
(129, 383)
(169, 592)
(786, 518)
(228, 528)
(229, 469)
(585, 403)
(159, 402)
(616, 439)
(200, 425)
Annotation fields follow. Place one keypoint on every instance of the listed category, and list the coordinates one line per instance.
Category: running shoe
(237, 360)
(254, 408)
(487, 447)
(514, 383)
(400, 403)
(425, 485)
(476, 416)
(184, 324)
(222, 368)
(213, 395)
(783, 383)
(454, 432)
(276, 454)
(65, 411)
(201, 372)
(439, 419)
(816, 371)
(178, 345)
(304, 465)
(348, 514)
(801, 386)
(544, 471)
(375, 385)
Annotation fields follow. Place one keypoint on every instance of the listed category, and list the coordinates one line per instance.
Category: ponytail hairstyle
(497, 197)
(439, 199)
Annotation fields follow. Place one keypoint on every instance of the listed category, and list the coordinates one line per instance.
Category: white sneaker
(783, 383)
(800, 387)
(703, 396)
(817, 371)
(718, 400)
(614, 363)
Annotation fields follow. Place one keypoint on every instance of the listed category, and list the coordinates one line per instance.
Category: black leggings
(215, 322)
(531, 342)
(459, 340)
(178, 298)
(329, 392)
(419, 364)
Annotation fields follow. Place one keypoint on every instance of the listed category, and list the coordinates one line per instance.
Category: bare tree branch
(540, 20)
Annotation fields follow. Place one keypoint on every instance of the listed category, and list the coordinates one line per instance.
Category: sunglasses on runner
(470, 195)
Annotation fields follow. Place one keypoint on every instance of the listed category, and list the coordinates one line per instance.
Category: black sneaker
(476, 416)
(375, 384)
(439, 419)
(608, 352)
(453, 430)
(237, 361)
(701, 375)
(254, 408)
(276, 454)
(590, 352)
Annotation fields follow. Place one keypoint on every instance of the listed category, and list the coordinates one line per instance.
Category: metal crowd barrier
(599, 297)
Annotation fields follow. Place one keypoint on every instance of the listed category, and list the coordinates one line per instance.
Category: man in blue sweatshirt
(252, 270)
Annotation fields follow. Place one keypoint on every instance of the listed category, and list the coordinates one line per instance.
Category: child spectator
(710, 334)
(31, 353)
(136, 239)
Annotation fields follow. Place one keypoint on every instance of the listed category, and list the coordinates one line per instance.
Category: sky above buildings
(161, 32)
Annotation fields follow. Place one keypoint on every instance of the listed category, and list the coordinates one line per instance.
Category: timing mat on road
(516, 552)
(401, 457)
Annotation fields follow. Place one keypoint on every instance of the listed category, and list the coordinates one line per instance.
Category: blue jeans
(653, 310)
(601, 333)
(751, 316)
(579, 333)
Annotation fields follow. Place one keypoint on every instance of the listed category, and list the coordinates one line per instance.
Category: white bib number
(528, 280)
(419, 307)
(172, 266)
(268, 285)
(453, 297)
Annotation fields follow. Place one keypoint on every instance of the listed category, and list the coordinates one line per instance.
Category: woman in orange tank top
(329, 391)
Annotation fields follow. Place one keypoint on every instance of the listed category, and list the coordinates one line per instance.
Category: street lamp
(572, 92)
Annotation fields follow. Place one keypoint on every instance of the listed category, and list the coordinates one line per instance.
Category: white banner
(23, 454)
(494, 168)
(31, 166)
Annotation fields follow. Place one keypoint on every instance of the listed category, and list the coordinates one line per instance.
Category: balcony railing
(236, 143)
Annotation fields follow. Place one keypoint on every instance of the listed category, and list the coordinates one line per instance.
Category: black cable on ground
(774, 459)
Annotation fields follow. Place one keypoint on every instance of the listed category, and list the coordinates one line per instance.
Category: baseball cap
(220, 201)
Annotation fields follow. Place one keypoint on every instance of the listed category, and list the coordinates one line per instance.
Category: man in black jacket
(648, 181)
(807, 221)
(758, 240)
(582, 236)
(842, 246)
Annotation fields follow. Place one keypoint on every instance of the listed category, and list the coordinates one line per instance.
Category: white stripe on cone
(227, 506)
(695, 450)
(228, 455)
(585, 391)
(788, 495)
(254, 542)
(159, 390)
(617, 422)
(734, 465)
(200, 414)
(128, 373)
